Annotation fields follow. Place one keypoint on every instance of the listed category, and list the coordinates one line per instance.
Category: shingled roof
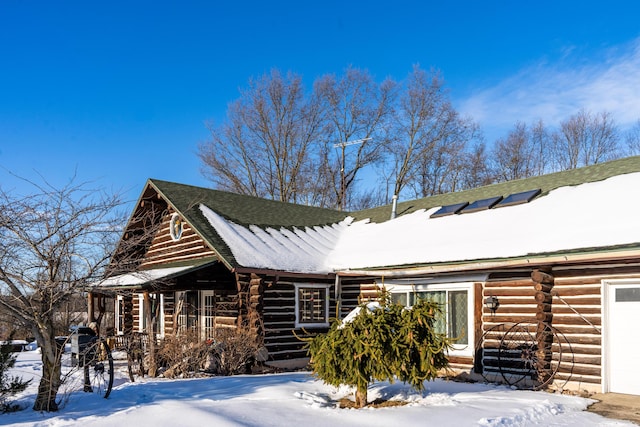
(255, 213)
(545, 183)
(240, 209)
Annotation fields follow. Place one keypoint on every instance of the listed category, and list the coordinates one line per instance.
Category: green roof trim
(546, 183)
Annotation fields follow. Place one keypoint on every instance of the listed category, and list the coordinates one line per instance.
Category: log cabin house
(539, 277)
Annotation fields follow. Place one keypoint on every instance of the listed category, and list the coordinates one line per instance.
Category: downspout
(394, 206)
(338, 295)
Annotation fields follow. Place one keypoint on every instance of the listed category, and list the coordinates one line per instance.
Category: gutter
(400, 271)
(283, 273)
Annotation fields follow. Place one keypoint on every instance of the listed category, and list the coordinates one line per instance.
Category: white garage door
(623, 337)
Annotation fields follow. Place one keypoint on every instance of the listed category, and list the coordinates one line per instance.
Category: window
(519, 198)
(187, 309)
(175, 227)
(119, 314)
(208, 315)
(312, 305)
(449, 210)
(481, 205)
(158, 324)
(456, 301)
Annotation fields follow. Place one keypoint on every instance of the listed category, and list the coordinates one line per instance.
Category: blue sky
(117, 92)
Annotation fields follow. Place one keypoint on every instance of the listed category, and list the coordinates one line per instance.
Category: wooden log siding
(279, 320)
(517, 304)
(543, 283)
(250, 302)
(585, 350)
(525, 300)
(355, 292)
(164, 249)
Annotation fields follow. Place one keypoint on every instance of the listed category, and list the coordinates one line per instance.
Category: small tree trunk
(361, 398)
(49, 384)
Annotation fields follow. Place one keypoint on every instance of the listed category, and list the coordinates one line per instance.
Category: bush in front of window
(383, 342)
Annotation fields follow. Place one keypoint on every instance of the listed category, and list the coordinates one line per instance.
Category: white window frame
(182, 314)
(119, 315)
(160, 321)
(207, 319)
(181, 319)
(327, 289)
(458, 349)
(175, 227)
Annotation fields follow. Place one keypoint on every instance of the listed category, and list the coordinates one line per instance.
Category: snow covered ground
(297, 399)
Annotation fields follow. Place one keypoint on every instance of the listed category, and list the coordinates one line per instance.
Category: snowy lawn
(297, 399)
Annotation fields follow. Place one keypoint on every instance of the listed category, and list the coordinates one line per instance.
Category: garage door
(623, 337)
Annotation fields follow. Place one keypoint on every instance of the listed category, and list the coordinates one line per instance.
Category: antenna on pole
(343, 145)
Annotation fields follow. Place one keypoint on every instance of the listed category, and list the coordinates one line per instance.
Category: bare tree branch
(53, 243)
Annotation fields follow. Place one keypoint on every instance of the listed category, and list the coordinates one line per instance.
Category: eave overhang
(617, 254)
(150, 278)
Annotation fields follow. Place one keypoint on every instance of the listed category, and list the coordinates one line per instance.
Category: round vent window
(175, 227)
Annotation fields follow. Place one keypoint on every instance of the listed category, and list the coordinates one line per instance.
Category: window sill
(311, 325)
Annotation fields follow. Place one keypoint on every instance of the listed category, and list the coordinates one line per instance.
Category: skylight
(449, 210)
(519, 198)
(481, 205)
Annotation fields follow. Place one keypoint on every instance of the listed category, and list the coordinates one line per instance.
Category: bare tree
(53, 243)
(632, 140)
(522, 153)
(541, 148)
(477, 169)
(586, 139)
(441, 170)
(266, 146)
(428, 137)
(356, 108)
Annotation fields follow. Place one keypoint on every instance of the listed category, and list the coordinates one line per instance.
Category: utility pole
(343, 146)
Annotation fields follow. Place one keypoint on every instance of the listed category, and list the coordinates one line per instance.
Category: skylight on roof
(449, 210)
(481, 205)
(519, 198)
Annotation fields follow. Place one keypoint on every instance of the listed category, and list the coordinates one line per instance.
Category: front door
(622, 337)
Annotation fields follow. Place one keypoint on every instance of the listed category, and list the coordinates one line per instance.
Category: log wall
(280, 332)
(570, 301)
(577, 315)
(516, 295)
(355, 292)
(164, 249)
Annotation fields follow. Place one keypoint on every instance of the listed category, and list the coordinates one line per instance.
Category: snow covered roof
(591, 216)
(585, 217)
(300, 249)
(138, 279)
(237, 208)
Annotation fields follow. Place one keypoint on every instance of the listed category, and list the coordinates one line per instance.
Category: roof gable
(240, 209)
